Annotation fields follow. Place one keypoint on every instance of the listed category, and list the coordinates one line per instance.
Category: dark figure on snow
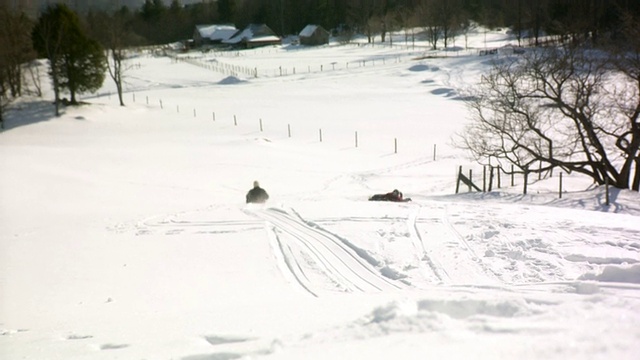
(257, 194)
(395, 195)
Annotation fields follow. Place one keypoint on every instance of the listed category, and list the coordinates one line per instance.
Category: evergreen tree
(47, 39)
(152, 10)
(227, 10)
(15, 49)
(76, 62)
(83, 66)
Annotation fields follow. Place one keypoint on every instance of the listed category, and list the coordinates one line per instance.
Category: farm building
(314, 35)
(212, 34)
(254, 35)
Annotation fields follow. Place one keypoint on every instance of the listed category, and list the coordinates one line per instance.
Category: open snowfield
(124, 233)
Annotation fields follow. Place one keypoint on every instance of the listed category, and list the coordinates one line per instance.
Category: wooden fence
(492, 176)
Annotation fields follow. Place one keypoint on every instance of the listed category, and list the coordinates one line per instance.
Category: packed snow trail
(319, 260)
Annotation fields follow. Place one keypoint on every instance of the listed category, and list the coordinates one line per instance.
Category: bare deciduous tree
(48, 36)
(448, 12)
(467, 26)
(15, 50)
(431, 21)
(112, 32)
(559, 107)
(408, 20)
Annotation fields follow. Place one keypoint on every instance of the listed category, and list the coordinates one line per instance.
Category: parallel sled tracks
(310, 252)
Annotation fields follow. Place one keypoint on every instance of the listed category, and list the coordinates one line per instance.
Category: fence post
(194, 112)
(606, 189)
(395, 145)
(458, 180)
(161, 107)
(490, 178)
(540, 171)
(560, 187)
(320, 134)
(214, 115)
(434, 151)
(356, 139)
(289, 129)
(512, 176)
(177, 108)
(260, 124)
(470, 179)
(235, 121)
(147, 100)
(484, 178)
(134, 97)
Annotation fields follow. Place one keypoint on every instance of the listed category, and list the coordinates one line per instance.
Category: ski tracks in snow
(319, 260)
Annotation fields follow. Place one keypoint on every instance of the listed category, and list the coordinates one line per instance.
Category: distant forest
(159, 22)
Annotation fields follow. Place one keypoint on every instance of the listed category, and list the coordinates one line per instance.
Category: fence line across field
(487, 173)
(488, 176)
(395, 142)
(214, 64)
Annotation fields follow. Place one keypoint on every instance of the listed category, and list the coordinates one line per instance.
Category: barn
(212, 34)
(314, 35)
(254, 35)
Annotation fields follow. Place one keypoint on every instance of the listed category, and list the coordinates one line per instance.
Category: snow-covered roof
(308, 30)
(253, 33)
(216, 32)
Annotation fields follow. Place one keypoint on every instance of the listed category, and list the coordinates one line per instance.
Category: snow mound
(393, 311)
(231, 80)
(461, 309)
(419, 68)
(616, 274)
(456, 309)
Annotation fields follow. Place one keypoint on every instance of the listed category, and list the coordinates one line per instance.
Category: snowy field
(124, 233)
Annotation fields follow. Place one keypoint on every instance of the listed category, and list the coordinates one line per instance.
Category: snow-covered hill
(124, 232)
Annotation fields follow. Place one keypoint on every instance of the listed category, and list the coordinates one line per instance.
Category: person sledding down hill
(395, 195)
(257, 195)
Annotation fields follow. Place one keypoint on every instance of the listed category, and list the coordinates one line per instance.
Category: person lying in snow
(395, 195)
(257, 194)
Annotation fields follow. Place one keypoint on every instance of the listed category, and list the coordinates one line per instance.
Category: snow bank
(230, 80)
(620, 274)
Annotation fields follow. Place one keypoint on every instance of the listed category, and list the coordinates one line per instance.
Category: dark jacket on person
(257, 194)
(395, 195)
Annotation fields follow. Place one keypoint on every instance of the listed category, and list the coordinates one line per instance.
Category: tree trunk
(56, 91)
(72, 96)
(636, 178)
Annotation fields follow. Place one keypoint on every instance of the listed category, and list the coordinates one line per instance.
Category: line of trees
(76, 61)
(78, 53)
(164, 21)
(15, 50)
(442, 20)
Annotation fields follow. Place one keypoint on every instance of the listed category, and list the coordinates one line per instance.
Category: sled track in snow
(448, 253)
(419, 244)
(319, 260)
